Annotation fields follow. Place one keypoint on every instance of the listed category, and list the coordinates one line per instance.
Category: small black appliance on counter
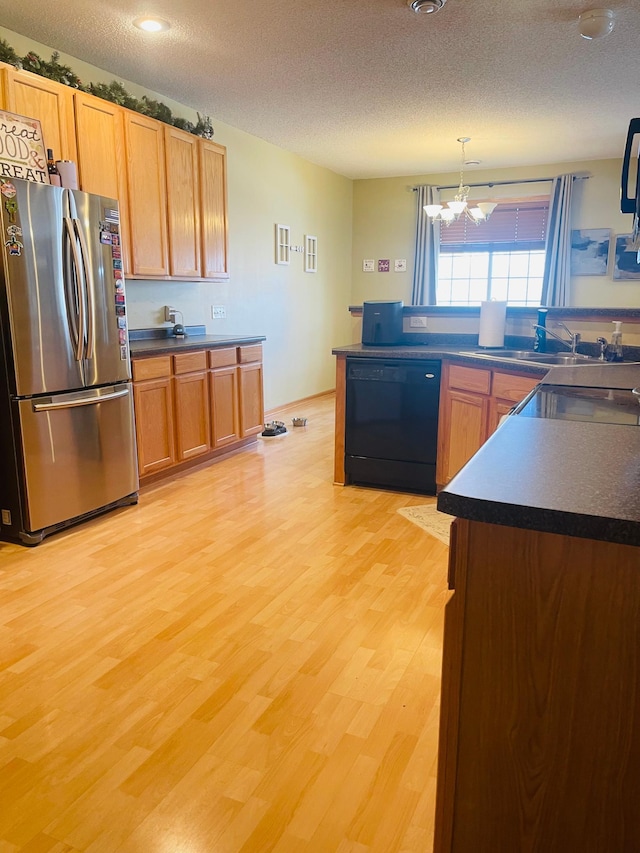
(382, 322)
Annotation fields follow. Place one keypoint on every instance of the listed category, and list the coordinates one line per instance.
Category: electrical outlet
(218, 312)
(418, 322)
(169, 314)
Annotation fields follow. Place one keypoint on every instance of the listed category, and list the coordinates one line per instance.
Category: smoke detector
(426, 6)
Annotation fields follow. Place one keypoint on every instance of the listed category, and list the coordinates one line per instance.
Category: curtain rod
(506, 183)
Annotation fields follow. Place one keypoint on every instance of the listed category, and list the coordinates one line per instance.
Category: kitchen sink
(535, 357)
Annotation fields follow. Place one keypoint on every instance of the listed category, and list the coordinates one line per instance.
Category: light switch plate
(400, 265)
(418, 323)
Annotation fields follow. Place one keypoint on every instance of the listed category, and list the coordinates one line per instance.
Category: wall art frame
(626, 266)
(590, 251)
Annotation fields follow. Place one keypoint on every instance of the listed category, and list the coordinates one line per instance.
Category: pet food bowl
(299, 421)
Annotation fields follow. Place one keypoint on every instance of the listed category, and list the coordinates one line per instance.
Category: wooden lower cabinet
(250, 395)
(467, 415)
(191, 399)
(540, 715)
(472, 401)
(153, 401)
(224, 406)
(195, 404)
(191, 393)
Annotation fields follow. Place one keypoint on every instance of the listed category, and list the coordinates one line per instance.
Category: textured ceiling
(371, 89)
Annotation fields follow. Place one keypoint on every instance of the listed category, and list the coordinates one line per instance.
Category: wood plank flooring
(247, 661)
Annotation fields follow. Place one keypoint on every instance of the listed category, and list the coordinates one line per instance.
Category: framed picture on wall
(626, 264)
(590, 251)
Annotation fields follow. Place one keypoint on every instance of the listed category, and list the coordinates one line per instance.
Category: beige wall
(384, 216)
(303, 315)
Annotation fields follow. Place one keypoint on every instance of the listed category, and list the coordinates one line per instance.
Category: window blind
(513, 225)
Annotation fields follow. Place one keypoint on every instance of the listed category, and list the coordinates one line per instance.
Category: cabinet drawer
(250, 353)
(151, 368)
(223, 357)
(470, 379)
(512, 388)
(188, 362)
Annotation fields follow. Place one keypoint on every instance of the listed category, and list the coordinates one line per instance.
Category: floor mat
(435, 523)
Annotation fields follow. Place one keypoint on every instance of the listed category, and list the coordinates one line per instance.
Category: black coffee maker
(382, 323)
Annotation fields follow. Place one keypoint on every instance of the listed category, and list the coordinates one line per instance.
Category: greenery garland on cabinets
(114, 91)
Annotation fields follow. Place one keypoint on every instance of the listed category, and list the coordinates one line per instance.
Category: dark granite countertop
(464, 349)
(573, 478)
(169, 344)
(461, 353)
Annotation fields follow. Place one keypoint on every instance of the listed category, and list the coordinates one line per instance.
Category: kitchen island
(540, 717)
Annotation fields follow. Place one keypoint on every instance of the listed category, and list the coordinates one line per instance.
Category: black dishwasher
(392, 423)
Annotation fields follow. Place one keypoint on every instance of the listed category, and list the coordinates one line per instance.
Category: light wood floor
(249, 660)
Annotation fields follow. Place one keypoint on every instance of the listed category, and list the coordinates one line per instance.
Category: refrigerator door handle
(80, 401)
(78, 296)
(89, 285)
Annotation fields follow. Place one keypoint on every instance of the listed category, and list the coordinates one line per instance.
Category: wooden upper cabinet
(51, 103)
(101, 156)
(146, 186)
(171, 186)
(213, 210)
(183, 202)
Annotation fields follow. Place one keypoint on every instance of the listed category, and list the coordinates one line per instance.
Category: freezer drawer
(78, 453)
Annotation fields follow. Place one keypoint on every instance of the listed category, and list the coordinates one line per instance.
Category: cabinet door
(224, 406)
(153, 402)
(508, 389)
(51, 103)
(183, 199)
(101, 156)
(497, 408)
(146, 188)
(251, 403)
(450, 686)
(192, 415)
(467, 416)
(213, 209)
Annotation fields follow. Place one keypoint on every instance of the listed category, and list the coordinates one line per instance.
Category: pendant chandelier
(454, 209)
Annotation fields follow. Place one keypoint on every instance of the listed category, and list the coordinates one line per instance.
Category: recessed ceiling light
(151, 25)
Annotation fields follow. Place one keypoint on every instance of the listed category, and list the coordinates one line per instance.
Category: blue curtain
(425, 267)
(557, 268)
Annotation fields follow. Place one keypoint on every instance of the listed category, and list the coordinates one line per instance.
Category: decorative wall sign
(626, 266)
(310, 253)
(384, 265)
(590, 251)
(283, 244)
(22, 152)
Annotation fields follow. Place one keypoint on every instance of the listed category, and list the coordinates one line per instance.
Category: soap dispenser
(614, 350)
(540, 339)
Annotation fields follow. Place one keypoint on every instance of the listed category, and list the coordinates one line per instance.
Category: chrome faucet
(574, 337)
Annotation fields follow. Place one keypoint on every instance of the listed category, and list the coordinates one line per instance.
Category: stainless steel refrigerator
(67, 435)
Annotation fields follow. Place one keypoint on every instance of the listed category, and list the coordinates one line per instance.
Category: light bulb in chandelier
(454, 209)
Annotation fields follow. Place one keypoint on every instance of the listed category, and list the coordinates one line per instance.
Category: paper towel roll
(68, 174)
(492, 321)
